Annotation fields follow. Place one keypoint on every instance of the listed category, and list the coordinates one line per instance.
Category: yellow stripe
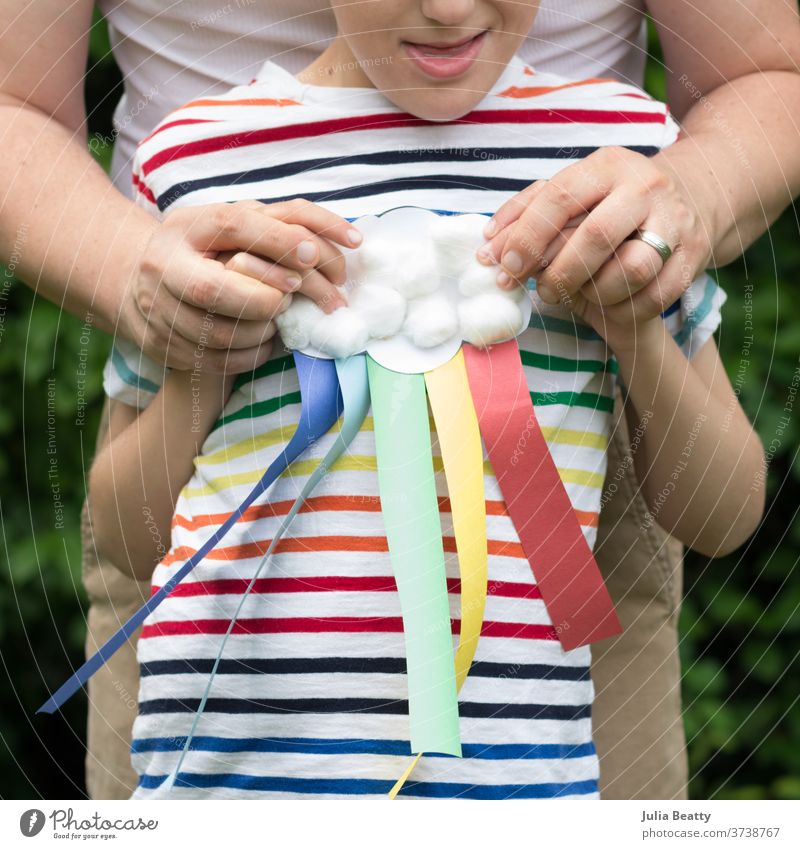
(554, 435)
(361, 463)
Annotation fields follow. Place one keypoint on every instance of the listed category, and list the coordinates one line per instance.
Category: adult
(733, 82)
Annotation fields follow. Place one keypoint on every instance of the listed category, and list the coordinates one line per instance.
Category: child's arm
(700, 464)
(147, 459)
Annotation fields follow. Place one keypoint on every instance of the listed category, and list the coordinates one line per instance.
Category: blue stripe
(449, 156)
(472, 710)
(693, 318)
(130, 377)
(361, 665)
(671, 309)
(323, 746)
(361, 786)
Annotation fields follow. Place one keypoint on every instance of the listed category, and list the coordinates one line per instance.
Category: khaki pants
(637, 713)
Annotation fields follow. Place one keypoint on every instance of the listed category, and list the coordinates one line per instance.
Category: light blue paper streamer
(321, 406)
(352, 374)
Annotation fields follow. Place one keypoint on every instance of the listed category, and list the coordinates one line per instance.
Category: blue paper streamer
(354, 387)
(321, 406)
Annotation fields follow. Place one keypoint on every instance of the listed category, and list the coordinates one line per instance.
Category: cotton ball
(417, 272)
(430, 321)
(378, 258)
(383, 309)
(489, 318)
(478, 279)
(296, 322)
(340, 334)
(456, 238)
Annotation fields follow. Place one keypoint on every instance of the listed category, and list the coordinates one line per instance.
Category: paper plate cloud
(414, 291)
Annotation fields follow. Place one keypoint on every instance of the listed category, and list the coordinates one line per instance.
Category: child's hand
(619, 324)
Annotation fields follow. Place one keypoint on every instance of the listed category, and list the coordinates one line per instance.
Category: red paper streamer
(562, 562)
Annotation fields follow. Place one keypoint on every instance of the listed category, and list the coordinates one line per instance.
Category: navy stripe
(367, 665)
(382, 158)
(323, 746)
(671, 309)
(472, 710)
(427, 182)
(360, 786)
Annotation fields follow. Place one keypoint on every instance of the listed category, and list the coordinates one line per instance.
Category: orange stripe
(348, 544)
(247, 101)
(535, 91)
(353, 503)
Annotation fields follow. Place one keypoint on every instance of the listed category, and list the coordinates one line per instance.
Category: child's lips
(443, 60)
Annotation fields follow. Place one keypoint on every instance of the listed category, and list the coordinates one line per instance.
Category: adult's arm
(85, 246)
(734, 83)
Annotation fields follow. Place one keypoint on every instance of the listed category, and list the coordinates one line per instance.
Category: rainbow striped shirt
(310, 699)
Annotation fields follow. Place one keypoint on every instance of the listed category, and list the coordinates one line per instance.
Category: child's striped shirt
(311, 695)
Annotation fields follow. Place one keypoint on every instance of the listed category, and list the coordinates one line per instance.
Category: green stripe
(561, 325)
(540, 399)
(142, 384)
(262, 408)
(573, 399)
(553, 363)
(269, 367)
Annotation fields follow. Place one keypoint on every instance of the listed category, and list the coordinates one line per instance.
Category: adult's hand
(220, 273)
(571, 234)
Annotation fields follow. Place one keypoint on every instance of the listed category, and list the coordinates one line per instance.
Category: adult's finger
(633, 266)
(603, 230)
(248, 226)
(221, 332)
(312, 284)
(160, 341)
(321, 221)
(659, 294)
(548, 213)
(511, 209)
(278, 276)
(207, 285)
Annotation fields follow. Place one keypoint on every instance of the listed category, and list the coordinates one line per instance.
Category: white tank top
(172, 52)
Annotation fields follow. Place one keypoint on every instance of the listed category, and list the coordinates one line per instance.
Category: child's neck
(336, 66)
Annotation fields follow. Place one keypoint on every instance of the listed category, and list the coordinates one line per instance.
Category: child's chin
(443, 105)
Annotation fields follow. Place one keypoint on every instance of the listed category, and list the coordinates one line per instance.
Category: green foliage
(741, 617)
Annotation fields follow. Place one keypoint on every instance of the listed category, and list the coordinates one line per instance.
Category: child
(303, 707)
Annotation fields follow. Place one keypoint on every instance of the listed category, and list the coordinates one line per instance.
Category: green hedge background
(741, 619)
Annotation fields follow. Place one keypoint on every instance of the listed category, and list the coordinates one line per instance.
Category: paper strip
(411, 515)
(562, 562)
(320, 408)
(352, 375)
(462, 456)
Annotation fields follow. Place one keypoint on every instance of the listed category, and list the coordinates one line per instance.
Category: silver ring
(655, 241)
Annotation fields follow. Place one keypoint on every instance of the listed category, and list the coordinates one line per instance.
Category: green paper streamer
(411, 514)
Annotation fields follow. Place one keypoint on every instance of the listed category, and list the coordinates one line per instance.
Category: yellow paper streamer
(462, 455)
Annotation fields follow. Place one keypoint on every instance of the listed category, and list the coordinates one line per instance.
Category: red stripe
(351, 503)
(336, 583)
(388, 121)
(180, 122)
(140, 186)
(332, 624)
